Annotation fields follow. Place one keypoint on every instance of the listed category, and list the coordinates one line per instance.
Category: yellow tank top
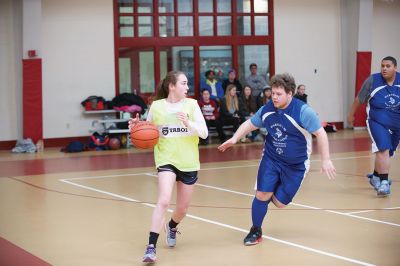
(177, 144)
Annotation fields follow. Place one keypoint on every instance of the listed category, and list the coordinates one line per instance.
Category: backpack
(94, 103)
(74, 146)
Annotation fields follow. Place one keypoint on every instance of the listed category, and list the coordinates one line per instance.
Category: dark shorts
(283, 181)
(188, 178)
(383, 138)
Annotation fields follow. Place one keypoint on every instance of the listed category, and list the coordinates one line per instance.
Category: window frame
(156, 42)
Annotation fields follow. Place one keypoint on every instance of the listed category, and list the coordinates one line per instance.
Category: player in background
(381, 92)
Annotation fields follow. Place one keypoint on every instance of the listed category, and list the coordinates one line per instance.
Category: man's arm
(323, 147)
(353, 109)
(361, 98)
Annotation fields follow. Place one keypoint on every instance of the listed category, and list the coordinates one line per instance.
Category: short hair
(285, 80)
(391, 58)
(208, 72)
(298, 87)
(252, 64)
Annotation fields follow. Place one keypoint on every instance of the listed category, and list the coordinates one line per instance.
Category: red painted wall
(32, 99)
(363, 70)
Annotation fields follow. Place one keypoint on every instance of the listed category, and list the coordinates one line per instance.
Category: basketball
(114, 144)
(144, 135)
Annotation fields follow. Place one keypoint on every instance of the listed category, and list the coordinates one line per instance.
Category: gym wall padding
(363, 71)
(32, 99)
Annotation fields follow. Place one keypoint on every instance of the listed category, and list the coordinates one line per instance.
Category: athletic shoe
(371, 176)
(150, 254)
(253, 237)
(384, 188)
(170, 235)
(374, 181)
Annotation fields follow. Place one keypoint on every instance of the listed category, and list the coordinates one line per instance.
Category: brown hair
(163, 86)
(285, 80)
(229, 99)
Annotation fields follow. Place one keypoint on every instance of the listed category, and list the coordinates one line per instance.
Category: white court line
(297, 204)
(225, 225)
(390, 208)
(350, 214)
(210, 168)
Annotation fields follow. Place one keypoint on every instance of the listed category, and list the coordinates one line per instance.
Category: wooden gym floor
(94, 208)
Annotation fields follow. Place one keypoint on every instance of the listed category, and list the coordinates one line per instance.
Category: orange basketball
(144, 135)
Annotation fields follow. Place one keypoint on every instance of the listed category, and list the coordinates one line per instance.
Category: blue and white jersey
(384, 102)
(289, 139)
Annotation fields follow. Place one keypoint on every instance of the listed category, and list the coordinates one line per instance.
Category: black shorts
(188, 178)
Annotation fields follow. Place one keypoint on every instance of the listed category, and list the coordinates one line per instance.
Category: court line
(224, 225)
(298, 205)
(350, 214)
(212, 168)
(390, 208)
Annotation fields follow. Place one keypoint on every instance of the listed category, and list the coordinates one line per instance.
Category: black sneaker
(254, 237)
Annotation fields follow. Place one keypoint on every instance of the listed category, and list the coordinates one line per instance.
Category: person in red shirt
(209, 108)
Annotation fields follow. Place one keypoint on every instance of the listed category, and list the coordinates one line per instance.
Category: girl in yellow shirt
(180, 124)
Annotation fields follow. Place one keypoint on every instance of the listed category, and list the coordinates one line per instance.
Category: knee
(163, 203)
(382, 154)
(263, 196)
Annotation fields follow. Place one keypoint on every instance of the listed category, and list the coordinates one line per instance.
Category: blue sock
(258, 211)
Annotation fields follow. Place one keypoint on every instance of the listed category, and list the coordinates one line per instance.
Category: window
(206, 6)
(185, 6)
(157, 36)
(216, 58)
(185, 26)
(126, 26)
(206, 25)
(224, 6)
(224, 26)
(136, 70)
(167, 26)
(248, 54)
(165, 6)
(178, 57)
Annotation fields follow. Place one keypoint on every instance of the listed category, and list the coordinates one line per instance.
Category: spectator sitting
(300, 93)
(247, 108)
(210, 112)
(229, 108)
(265, 97)
(247, 104)
(232, 80)
(255, 81)
(212, 85)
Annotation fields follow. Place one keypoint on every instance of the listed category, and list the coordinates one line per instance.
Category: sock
(153, 238)
(258, 211)
(172, 224)
(383, 176)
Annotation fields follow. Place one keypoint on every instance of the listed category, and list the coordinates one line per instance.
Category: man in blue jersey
(286, 157)
(381, 91)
